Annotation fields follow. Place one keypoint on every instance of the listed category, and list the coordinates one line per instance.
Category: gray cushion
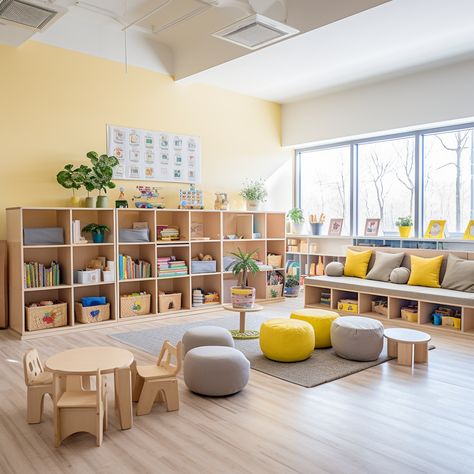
(384, 264)
(206, 336)
(400, 275)
(216, 370)
(459, 274)
(334, 269)
(357, 338)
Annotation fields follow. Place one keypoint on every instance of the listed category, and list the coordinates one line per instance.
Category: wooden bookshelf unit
(268, 228)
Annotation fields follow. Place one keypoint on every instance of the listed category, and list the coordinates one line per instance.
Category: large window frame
(418, 136)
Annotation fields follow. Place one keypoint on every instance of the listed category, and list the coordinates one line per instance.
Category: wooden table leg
(123, 396)
(242, 321)
(392, 349)
(405, 353)
(421, 353)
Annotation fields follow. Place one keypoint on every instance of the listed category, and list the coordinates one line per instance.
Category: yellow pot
(75, 201)
(405, 231)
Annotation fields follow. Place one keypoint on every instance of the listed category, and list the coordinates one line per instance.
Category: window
(449, 178)
(386, 187)
(325, 184)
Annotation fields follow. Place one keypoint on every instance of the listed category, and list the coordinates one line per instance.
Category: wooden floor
(387, 419)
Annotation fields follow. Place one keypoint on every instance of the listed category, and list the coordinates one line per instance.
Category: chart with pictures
(154, 156)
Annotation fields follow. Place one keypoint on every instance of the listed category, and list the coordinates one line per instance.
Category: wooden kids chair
(77, 411)
(158, 382)
(38, 384)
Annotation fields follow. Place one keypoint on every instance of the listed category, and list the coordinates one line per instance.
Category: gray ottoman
(206, 336)
(357, 338)
(216, 370)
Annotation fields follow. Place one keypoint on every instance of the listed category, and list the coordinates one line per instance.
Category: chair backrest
(32, 366)
(167, 354)
(60, 387)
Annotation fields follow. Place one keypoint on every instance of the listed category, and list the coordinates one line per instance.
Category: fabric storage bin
(274, 261)
(43, 236)
(274, 291)
(91, 314)
(201, 266)
(169, 302)
(83, 277)
(134, 305)
(44, 317)
(134, 235)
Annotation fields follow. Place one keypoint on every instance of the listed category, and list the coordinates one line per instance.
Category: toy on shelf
(121, 202)
(221, 203)
(201, 297)
(148, 198)
(191, 198)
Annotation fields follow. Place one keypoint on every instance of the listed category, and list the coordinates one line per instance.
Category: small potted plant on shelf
(405, 226)
(73, 178)
(97, 231)
(243, 296)
(254, 193)
(292, 286)
(296, 218)
(100, 177)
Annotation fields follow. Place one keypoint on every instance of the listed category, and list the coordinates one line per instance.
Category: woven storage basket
(274, 291)
(92, 314)
(169, 302)
(274, 260)
(134, 305)
(44, 317)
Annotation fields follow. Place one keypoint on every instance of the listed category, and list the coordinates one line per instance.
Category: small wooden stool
(408, 345)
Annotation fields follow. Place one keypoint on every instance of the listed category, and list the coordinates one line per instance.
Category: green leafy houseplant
(244, 264)
(102, 171)
(73, 178)
(404, 221)
(292, 282)
(295, 215)
(97, 230)
(254, 192)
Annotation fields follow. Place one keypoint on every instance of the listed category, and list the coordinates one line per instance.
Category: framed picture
(372, 227)
(435, 229)
(335, 226)
(469, 232)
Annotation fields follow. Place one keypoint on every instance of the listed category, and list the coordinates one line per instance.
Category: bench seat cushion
(436, 295)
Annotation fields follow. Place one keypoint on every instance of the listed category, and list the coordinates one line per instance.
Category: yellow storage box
(349, 306)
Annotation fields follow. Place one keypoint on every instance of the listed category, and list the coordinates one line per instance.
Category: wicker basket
(91, 314)
(44, 317)
(380, 309)
(274, 291)
(134, 305)
(169, 302)
(274, 261)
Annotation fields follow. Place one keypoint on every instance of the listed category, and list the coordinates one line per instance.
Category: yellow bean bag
(321, 320)
(286, 340)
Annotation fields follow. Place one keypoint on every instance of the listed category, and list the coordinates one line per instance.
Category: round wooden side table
(241, 333)
(407, 345)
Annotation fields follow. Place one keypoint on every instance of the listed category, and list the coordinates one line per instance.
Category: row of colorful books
(130, 268)
(37, 275)
(169, 266)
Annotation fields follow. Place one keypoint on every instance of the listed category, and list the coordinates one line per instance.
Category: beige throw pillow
(459, 274)
(384, 264)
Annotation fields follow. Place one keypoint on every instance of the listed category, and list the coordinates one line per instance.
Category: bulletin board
(146, 155)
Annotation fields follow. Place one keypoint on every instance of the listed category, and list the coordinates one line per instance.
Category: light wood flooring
(387, 419)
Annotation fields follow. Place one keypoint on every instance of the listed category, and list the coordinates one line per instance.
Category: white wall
(438, 95)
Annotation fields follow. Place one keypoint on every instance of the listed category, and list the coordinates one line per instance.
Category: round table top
(406, 335)
(255, 307)
(87, 360)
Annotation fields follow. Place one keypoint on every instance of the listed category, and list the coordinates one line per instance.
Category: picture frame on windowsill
(372, 226)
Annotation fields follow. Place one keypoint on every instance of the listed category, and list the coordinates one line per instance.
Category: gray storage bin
(43, 236)
(198, 266)
(134, 235)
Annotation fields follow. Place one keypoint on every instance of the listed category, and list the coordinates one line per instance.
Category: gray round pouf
(216, 370)
(206, 336)
(357, 338)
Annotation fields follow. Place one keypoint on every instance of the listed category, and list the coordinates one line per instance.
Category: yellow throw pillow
(425, 271)
(357, 263)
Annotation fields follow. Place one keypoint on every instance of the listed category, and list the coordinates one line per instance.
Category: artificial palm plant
(244, 264)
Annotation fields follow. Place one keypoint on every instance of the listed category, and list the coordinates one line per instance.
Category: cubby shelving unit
(268, 228)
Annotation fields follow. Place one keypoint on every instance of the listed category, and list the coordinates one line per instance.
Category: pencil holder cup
(316, 228)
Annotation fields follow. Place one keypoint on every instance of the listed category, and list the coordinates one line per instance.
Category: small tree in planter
(296, 217)
(73, 178)
(405, 226)
(254, 192)
(292, 286)
(243, 296)
(101, 174)
(98, 232)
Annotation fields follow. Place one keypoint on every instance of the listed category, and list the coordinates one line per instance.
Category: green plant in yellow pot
(405, 226)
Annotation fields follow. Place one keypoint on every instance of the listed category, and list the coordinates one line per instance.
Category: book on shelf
(166, 232)
(131, 269)
(36, 275)
(169, 266)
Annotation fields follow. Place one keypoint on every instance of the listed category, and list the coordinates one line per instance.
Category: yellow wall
(55, 105)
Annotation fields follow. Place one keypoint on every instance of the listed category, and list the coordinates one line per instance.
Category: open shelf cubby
(47, 255)
(208, 283)
(143, 252)
(206, 225)
(107, 290)
(83, 254)
(179, 218)
(37, 218)
(176, 285)
(95, 216)
(126, 218)
(207, 248)
(131, 287)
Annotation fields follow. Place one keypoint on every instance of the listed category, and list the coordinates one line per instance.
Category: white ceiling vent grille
(255, 32)
(26, 14)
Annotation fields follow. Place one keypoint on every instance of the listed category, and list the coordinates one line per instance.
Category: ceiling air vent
(255, 32)
(26, 14)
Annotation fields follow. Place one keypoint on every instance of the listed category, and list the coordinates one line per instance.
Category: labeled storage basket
(44, 317)
(274, 291)
(203, 266)
(134, 305)
(91, 314)
(169, 302)
(274, 260)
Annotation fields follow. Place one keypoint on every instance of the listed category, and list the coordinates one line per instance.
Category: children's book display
(171, 267)
(38, 275)
(131, 269)
(154, 156)
(167, 233)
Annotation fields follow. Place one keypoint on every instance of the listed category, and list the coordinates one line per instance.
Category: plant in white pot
(243, 296)
(254, 193)
(296, 218)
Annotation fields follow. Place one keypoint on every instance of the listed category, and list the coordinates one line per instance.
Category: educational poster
(145, 155)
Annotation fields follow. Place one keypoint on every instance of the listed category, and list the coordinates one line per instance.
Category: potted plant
(101, 175)
(292, 286)
(254, 193)
(242, 295)
(73, 178)
(296, 217)
(98, 232)
(405, 226)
